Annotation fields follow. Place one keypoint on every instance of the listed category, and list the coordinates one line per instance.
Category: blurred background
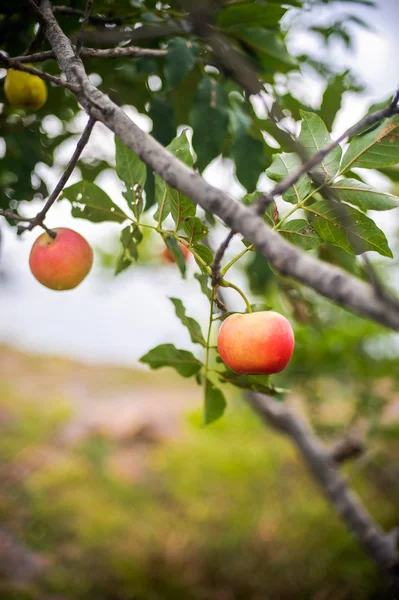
(110, 487)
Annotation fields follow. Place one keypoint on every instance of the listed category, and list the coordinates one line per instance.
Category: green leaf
(363, 195)
(177, 254)
(271, 215)
(191, 324)
(180, 59)
(195, 229)
(167, 355)
(181, 207)
(250, 160)
(204, 252)
(163, 123)
(268, 46)
(284, 165)
(209, 120)
(376, 149)
(314, 136)
(254, 383)
(180, 147)
(262, 14)
(91, 202)
(215, 403)
(362, 232)
(300, 233)
(132, 171)
(203, 281)
(332, 99)
(131, 237)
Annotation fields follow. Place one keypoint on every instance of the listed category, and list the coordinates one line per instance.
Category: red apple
(259, 343)
(61, 263)
(167, 255)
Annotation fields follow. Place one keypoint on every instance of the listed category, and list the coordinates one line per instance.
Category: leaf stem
(228, 284)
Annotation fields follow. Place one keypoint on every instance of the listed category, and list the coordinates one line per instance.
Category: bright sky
(118, 319)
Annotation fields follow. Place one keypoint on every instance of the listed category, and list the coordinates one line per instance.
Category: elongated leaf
(195, 229)
(91, 202)
(132, 171)
(363, 232)
(170, 201)
(177, 254)
(163, 121)
(131, 237)
(363, 195)
(332, 99)
(203, 281)
(300, 233)
(262, 14)
(204, 252)
(255, 383)
(180, 59)
(209, 120)
(379, 148)
(314, 136)
(191, 324)
(269, 47)
(284, 165)
(215, 403)
(250, 160)
(271, 215)
(167, 355)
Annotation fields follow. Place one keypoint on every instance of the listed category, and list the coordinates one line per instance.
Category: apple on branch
(61, 263)
(259, 343)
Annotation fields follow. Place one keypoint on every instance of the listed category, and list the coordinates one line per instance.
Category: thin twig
(86, 17)
(38, 220)
(126, 52)
(100, 19)
(10, 63)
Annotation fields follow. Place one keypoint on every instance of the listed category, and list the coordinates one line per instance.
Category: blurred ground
(110, 489)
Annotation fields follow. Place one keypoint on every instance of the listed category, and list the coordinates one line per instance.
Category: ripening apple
(259, 343)
(24, 90)
(167, 255)
(61, 263)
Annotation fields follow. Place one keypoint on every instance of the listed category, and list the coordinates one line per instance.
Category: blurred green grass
(225, 512)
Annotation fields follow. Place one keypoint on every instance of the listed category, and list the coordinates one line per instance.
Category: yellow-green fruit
(24, 90)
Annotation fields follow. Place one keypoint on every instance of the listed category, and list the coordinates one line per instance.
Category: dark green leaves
(209, 120)
(90, 202)
(300, 233)
(215, 403)
(363, 195)
(284, 165)
(314, 136)
(132, 171)
(181, 58)
(194, 229)
(269, 48)
(191, 324)
(261, 14)
(167, 355)
(378, 148)
(247, 151)
(357, 234)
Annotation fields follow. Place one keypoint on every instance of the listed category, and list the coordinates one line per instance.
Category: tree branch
(379, 546)
(11, 63)
(38, 220)
(86, 17)
(327, 280)
(126, 52)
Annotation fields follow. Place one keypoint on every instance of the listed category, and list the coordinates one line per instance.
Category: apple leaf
(254, 383)
(362, 232)
(300, 233)
(177, 254)
(195, 229)
(314, 136)
(363, 195)
(167, 355)
(376, 149)
(203, 281)
(204, 253)
(132, 171)
(209, 120)
(180, 59)
(262, 14)
(215, 403)
(283, 165)
(191, 324)
(91, 202)
(131, 237)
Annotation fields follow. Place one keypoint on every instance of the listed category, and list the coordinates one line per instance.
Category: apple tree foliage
(195, 87)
